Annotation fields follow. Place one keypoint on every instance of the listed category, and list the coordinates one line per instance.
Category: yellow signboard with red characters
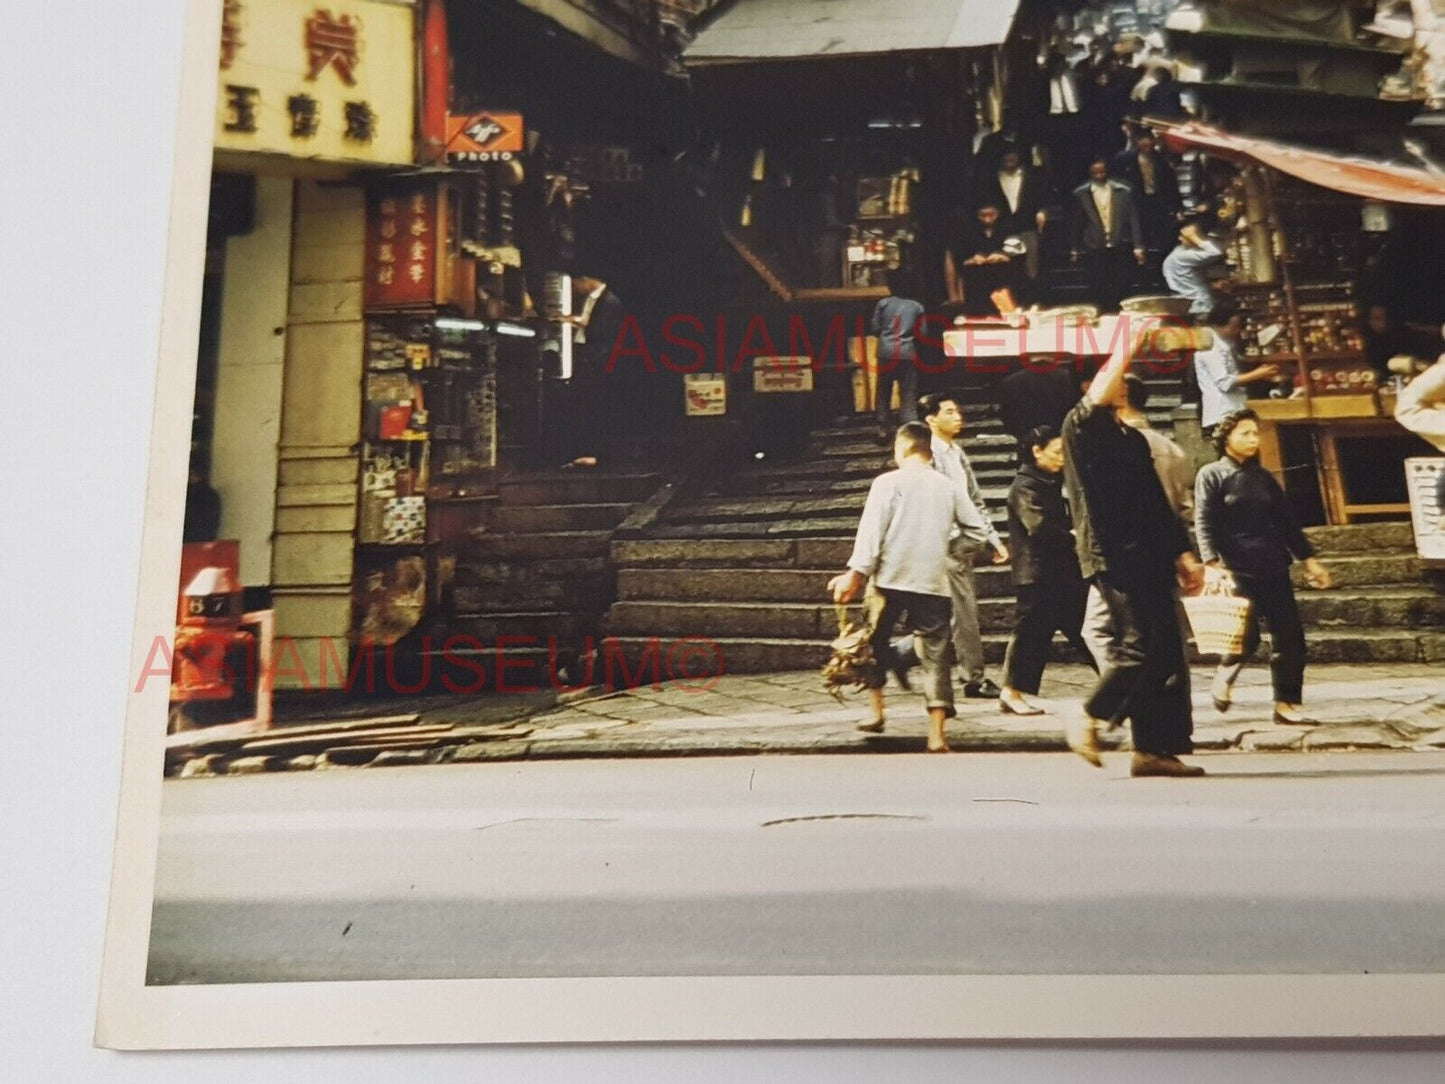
(333, 80)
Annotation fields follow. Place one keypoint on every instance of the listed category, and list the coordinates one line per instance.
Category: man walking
(895, 322)
(1176, 474)
(1106, 232)
(1133, 545)
(1155, 186)
(943, 414)
(902, 544)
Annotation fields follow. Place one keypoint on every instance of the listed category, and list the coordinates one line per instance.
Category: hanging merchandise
(404, 520)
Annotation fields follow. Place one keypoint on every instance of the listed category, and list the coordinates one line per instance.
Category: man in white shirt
(902, 544)
(1018, 193)
(1221, 383)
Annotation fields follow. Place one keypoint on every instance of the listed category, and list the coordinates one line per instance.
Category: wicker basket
(1218, 617)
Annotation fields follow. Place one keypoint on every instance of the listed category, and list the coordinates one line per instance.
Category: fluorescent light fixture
(452, 323)
(506, 327)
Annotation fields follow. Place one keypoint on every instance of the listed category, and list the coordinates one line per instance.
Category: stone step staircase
(743, 560)
(533, 582)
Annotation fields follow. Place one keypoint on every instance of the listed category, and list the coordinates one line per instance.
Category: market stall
(1304, 226)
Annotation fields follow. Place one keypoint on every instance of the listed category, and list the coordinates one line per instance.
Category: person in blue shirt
(895, 322)
(1192, 266)
(1222, 385)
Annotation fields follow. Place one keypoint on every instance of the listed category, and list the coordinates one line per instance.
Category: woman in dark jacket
(1245, 524)
(1052, 591)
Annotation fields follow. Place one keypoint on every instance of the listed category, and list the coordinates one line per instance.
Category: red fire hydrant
(211, 646)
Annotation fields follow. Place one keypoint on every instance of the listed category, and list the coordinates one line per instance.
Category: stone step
(552, 569)
(530, 548)
(1374, 645)
(817, 466)
(559, 517)
(1331, 611)
(1370, 569)
(767, 620)
(975, 441)
(751, 655)
(791, 506)
(1363, 537)
(542, 624)
(579, 486)
(740, 554)
(736, 553)
(594, 594)
(758, 585)
(994, 484)
(1389, 608)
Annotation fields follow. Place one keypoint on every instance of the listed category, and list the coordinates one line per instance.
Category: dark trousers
(1145, 676)
(1274, 601)
(1112, 272)
(1043, 609)
(927, 617)
(902, 372)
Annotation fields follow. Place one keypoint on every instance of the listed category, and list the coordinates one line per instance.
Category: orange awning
(1363, 177)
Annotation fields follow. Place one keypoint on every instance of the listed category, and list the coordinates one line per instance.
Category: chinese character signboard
(1425, 476)
(408, 253)
(706, 394)
(332, 80)
(782, 374)
(489, 136)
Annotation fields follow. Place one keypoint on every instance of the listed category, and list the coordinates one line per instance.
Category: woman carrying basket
(1245, 525)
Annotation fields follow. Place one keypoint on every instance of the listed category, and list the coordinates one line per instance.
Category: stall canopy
(751, 30)
(1362, 177)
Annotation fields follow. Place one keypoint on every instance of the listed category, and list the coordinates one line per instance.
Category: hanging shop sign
(488, 136)
(782, 374)
(706, 394)
(410, 251)
(333, 80)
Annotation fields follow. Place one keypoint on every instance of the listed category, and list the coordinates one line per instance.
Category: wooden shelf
(1342, 355)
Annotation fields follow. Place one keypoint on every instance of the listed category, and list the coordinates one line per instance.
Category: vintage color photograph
(801, 488)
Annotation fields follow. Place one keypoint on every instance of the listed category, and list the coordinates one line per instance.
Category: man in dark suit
(1156, 189)
(1021, 196)
(1107, 234)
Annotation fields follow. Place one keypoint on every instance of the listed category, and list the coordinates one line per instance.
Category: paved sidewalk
(1357, 707)
(1379, 706)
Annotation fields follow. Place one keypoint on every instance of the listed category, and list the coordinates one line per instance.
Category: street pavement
(1375, 707)
(1003, 863)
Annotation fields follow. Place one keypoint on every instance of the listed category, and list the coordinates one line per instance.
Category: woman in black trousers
(1245, 524)
(1052, 592)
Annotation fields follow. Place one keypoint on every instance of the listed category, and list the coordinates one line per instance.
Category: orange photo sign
(488, 136)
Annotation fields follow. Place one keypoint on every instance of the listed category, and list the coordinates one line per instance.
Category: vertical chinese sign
(402, 233)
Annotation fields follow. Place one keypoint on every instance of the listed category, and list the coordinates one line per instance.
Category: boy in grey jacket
(902, 545)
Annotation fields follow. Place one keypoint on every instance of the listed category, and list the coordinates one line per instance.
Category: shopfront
(1318, 260)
